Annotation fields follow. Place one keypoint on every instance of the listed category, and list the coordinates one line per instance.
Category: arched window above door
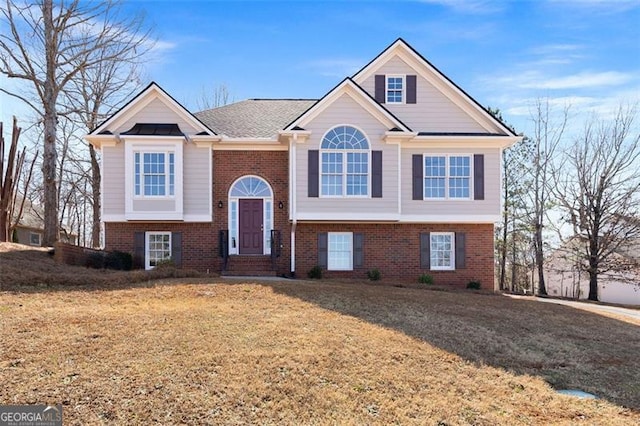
(251, 187)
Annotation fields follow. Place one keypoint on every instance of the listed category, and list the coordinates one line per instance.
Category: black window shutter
(176, 248)
(138, 250)
(478, 177)
(376, 174)
(425, 250)
(323, 250)
(418, 182)
(460, 250)
(380, 89)
(411, 89)
(313, 173)
(358, 253)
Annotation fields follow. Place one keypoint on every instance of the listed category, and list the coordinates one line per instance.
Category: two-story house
(395, 169)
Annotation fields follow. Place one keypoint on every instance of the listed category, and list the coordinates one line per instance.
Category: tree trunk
(505, 223)
(95, 195)
(50, 126)
(542, 288)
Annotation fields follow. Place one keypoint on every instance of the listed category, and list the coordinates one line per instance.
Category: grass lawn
(312, 353)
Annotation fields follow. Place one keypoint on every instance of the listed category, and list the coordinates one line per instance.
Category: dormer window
(395, 89)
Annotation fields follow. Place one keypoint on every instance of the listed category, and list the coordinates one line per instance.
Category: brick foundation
(394, 249)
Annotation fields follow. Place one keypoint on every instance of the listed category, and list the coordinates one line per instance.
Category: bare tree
(219, 96)
(92, 96)
(548, 131)
(598, 187)
(46, 47)
(10, 173)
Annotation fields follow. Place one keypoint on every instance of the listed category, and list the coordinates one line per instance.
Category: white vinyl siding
(113, 177)
(336, 114)
(433, 112)
(454, 208)
(197, 182)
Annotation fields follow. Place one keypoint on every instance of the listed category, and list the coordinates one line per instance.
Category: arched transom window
(345, 162)
(250, 187)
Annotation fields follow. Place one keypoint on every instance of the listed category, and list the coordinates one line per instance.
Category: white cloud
(576, 81)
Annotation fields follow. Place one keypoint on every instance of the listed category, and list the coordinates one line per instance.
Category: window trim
(447, 177)
(322, 151)
(403, 91)
(329, 266)
(147, 259)
(452, 257)
(153, 144)
(167, 186)
(37, 234)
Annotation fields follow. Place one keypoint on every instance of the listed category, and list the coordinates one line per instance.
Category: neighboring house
(30, 228)
(395, 169)
(565, 277)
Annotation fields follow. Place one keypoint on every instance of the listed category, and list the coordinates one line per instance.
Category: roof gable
(349, 87)
(402, 50)
(152, 97)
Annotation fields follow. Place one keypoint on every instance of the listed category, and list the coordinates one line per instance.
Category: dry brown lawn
(299, 352)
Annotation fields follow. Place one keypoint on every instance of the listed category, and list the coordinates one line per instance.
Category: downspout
(292, 199)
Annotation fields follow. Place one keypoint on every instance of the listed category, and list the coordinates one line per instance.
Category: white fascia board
(155, 216)
(249, 144)
(204, 141)
(470, 218)
(298, 136)
(349, 217)
(98, 141)
(197, 218)
(395, 218)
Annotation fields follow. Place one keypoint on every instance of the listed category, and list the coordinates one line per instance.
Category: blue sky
(503, 53)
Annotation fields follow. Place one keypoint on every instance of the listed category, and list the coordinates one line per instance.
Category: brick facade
(200, 240)
(394, 249)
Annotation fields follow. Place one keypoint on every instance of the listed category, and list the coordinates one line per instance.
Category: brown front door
(250, 212)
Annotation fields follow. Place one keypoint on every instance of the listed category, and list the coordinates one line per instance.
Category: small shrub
(165, 264)
(474, 285)
(425, 279)
(119, 260)
(95, 260)
(374, 275)
(315, 273)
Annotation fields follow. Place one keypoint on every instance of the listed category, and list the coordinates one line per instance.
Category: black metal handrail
(276, 247)
(223, 247)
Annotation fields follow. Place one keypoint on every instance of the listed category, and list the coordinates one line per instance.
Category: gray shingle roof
(254, 118)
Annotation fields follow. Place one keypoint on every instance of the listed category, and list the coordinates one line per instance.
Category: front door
(251, 214)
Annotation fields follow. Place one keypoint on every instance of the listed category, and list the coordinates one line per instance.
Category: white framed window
(344, 161)
(442, 251)
(157, 248)
(395, 89)
(340, 251)
(35, 239)
(154, 174)
(447, 177)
